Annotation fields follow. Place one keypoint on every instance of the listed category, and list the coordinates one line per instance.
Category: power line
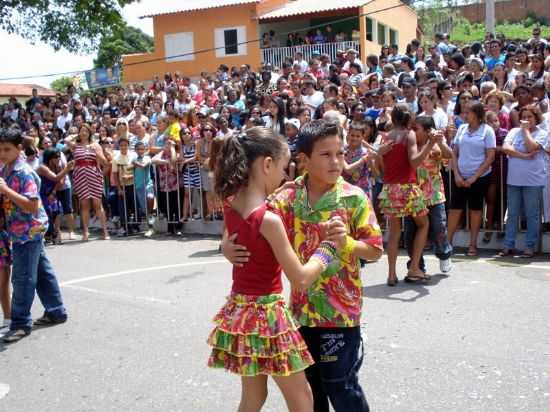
(317, 26)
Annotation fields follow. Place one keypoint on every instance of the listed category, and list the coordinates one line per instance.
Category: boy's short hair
(139, 144)
(314, 131)
(123, 139)
(12, 136)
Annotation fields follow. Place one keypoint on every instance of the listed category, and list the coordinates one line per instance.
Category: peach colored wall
(202, 23)
(265, 6)
(402, 19)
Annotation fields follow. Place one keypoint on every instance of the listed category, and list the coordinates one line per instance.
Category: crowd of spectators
(490, 99)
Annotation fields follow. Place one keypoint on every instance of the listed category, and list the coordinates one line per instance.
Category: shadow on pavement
(206, 253)
(383, 291)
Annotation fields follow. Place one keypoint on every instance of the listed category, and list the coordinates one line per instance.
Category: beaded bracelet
(325, 253)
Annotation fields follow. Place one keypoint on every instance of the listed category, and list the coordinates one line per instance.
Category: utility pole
(490, 16)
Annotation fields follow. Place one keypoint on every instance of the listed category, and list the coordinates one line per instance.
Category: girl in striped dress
(191, 173)
(88, 179)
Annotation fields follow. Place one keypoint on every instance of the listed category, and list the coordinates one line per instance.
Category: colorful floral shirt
(428, 177)
(22, 226)
(359, 176)
(335, 298)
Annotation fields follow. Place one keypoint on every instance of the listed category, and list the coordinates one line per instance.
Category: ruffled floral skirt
(257, 335)
(400, 200)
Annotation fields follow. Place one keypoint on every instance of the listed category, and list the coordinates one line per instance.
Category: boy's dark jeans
(338, 355)
(33, 273)
(437, 234)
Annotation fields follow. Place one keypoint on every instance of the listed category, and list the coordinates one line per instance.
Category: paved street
(140, 310)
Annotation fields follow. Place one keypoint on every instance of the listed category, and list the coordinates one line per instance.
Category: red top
(397, 169)
(261, 275)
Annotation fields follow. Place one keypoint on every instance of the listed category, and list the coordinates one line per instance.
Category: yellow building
(193, 36)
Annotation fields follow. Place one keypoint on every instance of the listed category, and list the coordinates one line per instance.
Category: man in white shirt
(299, 60)
(351, 57)
(65, 117)
(312, 98)
(408, 87)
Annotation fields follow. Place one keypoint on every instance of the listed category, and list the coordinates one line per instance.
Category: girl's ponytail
(231, 172)
(239, 153)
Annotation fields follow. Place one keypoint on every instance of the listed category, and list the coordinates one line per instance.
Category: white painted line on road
(506, 263)
(4, 390)
(149, 299)
(141, 270)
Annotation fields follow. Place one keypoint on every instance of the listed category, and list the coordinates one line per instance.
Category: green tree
(123, 40)
(76, 25)
(60, 84)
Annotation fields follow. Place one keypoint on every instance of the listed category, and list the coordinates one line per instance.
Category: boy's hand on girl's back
(236, 254)
(385, 147)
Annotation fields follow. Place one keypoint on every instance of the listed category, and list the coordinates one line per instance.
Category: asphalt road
(140, 310)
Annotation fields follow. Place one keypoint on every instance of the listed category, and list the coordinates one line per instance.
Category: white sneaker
(6, 324)
(445, 265)
(149, 233)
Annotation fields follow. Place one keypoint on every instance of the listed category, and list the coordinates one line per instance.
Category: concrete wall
(511, 10)
(403, 19)
(202, 23)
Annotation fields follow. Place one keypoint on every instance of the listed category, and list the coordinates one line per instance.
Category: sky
(26, 59)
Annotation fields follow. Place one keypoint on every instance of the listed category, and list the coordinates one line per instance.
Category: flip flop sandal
(505, 252)
(417, 279)
(15, 335)
(472, 252)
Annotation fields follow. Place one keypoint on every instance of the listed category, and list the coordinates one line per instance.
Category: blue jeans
(338, 355)
(531, 199)
(32, 271)
(437, 233)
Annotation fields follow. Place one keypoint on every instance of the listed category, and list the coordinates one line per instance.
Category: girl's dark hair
(30, 150)
(371, 123)
(280, 113)
(442, 85)
(425, 122)
(458, 106)
(50, 154)
(239, 153)
(90, 132)
(479, 110)
(425, 93)
(401, 115)
(534, 109)
(215, 149)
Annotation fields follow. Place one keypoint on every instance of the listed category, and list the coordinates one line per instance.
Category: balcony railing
(276, 55)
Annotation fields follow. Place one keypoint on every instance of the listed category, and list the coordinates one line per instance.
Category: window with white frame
(394, 36)
(178, 47)
(381, 35)
(370, 28)
(230, 41)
